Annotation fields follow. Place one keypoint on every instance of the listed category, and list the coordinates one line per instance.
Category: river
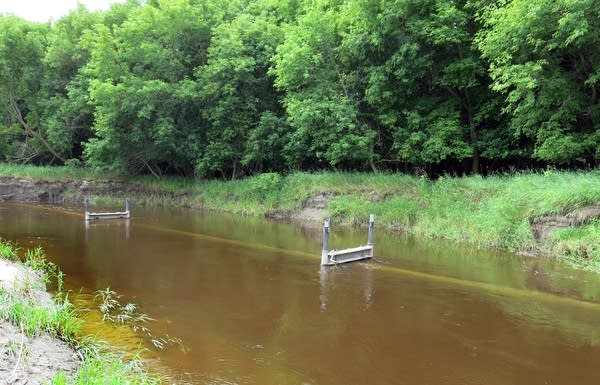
(250, 304)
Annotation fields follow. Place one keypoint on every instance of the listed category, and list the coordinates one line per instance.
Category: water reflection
(362, 278)
(124, 223)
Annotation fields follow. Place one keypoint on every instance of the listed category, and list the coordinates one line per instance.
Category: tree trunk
(16, 112)
(371, 163)
(472, 134)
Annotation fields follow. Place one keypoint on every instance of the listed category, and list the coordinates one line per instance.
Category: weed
(116, 313)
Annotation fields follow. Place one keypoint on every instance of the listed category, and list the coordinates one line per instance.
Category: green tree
(239, 100)
(66, 114)
(22, 47)
(426, 82)
(544, 58)
(146, 110)
(322, 99)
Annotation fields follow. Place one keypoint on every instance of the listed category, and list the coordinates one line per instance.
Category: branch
(16, 112)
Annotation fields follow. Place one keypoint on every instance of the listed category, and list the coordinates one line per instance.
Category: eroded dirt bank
(26, 359)
(25, 190)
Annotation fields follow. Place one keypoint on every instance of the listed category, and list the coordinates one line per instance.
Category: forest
(230, 88)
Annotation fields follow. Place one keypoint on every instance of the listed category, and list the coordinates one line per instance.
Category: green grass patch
(101, 367)
(48, 172)
(580, 245)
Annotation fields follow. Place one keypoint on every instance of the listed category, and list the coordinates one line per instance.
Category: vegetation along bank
(553, 213)
(40, 341)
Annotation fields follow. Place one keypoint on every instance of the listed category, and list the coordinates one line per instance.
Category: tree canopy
(217, 88)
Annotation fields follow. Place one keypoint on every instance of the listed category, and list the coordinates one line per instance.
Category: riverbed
(238, 300)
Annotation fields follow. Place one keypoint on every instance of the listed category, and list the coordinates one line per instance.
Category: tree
(65, 111)
(544, 58)
(425, 81)
(322, 100)
(145, 101)
(22, 46)
(239, 100)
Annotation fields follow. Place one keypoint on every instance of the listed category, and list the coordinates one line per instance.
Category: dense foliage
(219, 88)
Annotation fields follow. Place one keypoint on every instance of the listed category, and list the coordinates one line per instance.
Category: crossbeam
(91, 216)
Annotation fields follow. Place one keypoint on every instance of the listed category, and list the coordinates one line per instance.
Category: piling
(371, 230)
(87, 209)
(347, 255)
(325, 251)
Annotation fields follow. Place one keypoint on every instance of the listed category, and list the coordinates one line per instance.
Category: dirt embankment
(25, 359)
(16, 189)
(543, 227)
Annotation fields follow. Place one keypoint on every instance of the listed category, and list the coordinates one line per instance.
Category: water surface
(252, 306)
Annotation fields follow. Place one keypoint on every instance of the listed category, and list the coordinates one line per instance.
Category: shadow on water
(250, 301)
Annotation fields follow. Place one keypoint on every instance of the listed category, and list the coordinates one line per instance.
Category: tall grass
(101, 367)
(47, 172)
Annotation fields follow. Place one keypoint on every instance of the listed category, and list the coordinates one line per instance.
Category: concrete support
(86, 202)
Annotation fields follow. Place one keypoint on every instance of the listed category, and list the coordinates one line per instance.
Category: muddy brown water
(251, 304)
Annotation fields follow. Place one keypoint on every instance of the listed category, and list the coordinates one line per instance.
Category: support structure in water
(89, 216)
(335, 257)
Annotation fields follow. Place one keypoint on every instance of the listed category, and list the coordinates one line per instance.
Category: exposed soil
(543, 227)
(314, 208)
(15, 189)
(25, 360)
(30, 360)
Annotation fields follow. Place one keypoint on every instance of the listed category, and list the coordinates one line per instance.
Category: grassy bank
(22, 303)
(496, 211)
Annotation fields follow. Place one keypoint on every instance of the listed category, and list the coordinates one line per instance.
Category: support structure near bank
(335, 257)
(90, 216)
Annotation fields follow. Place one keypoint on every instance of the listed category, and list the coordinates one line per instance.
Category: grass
(47, 172)
(495, 211)
(105, 368)
(21, 306)
(579, 245)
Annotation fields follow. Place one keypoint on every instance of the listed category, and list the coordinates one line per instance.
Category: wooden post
(325, 251)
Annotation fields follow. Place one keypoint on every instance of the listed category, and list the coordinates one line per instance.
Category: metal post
(371, 229)
(126, 205)
(325, 251)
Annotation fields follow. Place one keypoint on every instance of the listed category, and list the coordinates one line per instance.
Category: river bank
(553, 214)
(39, 334)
